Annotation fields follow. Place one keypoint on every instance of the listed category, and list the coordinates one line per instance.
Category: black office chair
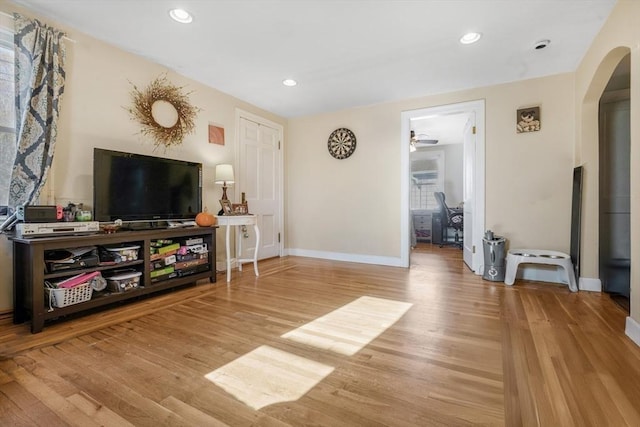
(454, 218)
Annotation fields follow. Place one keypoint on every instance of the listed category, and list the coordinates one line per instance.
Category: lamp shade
(224, 174)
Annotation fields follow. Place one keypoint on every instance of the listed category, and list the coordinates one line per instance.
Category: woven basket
(68, 296)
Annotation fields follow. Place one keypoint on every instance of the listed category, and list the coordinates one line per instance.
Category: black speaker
(37, 213)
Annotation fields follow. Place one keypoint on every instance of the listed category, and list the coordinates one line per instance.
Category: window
(424, 184)
(427, 177)
(7, 114)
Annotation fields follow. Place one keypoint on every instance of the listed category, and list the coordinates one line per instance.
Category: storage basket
(124, 281)
(68, 296)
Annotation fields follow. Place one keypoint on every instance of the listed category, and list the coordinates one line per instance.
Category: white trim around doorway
(478, 108)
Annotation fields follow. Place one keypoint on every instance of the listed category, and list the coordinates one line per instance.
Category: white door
(468, 193)
(259, 164)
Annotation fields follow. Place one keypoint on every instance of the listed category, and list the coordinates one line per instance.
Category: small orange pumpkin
(205, 219)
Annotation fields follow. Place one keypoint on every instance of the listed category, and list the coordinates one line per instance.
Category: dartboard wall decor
(342, 143)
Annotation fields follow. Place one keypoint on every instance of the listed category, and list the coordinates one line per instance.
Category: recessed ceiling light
(289, 82)
(470, 38)
(181, 16)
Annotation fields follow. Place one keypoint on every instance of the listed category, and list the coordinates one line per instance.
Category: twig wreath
(158, 92)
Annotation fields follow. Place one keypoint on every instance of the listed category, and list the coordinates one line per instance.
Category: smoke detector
(541, 44)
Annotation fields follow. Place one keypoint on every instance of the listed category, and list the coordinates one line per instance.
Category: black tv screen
(135, 187)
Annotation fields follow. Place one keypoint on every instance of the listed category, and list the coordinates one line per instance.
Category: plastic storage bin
(119, 254)
(123, 282)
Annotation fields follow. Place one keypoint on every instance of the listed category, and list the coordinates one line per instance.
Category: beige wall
(352, 206)
(348, 206)
(619, 36)
(98, 87)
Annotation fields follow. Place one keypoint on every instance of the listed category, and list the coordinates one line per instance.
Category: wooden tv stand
(29, 270)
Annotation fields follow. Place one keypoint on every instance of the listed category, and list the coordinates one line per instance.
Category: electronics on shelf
(42, 229)
(35, 213)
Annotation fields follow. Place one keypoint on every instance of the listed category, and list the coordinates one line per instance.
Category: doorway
(473, 178)
(614, 181)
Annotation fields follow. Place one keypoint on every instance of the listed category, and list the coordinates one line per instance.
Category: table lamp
(224, 176)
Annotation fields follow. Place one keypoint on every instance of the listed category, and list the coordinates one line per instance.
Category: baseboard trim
(556, 274)
(6, 317)
(336, 256)
(589, 284)
(551, 274)
(222, 265)
(632, 329)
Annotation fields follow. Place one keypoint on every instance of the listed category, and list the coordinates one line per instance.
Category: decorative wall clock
(342, 143)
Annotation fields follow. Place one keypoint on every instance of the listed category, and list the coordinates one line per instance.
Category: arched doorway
(588, 155)
(614, 201)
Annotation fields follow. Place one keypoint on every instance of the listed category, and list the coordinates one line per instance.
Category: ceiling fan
(421, 140)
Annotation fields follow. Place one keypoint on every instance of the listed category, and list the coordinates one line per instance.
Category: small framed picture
(216, 134)
(239, 208)
(528, 120)
(226, 207)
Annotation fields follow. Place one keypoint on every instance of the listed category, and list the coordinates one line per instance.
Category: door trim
(240, 113)
(478, 108)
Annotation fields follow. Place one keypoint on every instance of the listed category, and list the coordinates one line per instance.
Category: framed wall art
(216, 134)
(528, 120)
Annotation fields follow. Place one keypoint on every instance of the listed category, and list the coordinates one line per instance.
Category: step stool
(515, 257)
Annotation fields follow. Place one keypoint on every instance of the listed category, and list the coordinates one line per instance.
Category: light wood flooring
(467, 352)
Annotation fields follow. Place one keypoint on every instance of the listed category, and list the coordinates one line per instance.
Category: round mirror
(164, 113)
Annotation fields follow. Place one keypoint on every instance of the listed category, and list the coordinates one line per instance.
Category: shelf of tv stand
(65, 273)
(100, 299)
(29, 272)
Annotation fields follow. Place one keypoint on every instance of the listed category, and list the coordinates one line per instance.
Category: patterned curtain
(39, 74)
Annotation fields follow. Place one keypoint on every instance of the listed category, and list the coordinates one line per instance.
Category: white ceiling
(342, 53)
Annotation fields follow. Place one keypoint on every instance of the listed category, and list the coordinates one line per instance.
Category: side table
(236, 221)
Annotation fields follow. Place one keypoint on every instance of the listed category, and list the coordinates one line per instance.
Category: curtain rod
(8, 15)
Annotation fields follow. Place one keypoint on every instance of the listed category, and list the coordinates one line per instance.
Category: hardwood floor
(466, 352)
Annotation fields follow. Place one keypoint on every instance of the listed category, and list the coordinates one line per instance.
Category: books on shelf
(162, 271)
(169, 248)
(171, 259)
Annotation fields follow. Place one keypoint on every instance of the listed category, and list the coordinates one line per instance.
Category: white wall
(98, 86)
(349, 209)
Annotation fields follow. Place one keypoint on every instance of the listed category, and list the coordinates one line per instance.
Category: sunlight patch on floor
(349, 328)
(267, 375)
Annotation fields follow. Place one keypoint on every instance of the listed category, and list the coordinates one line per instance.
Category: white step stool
(516, 257)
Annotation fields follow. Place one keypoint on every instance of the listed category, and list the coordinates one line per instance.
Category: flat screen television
(139, 188)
